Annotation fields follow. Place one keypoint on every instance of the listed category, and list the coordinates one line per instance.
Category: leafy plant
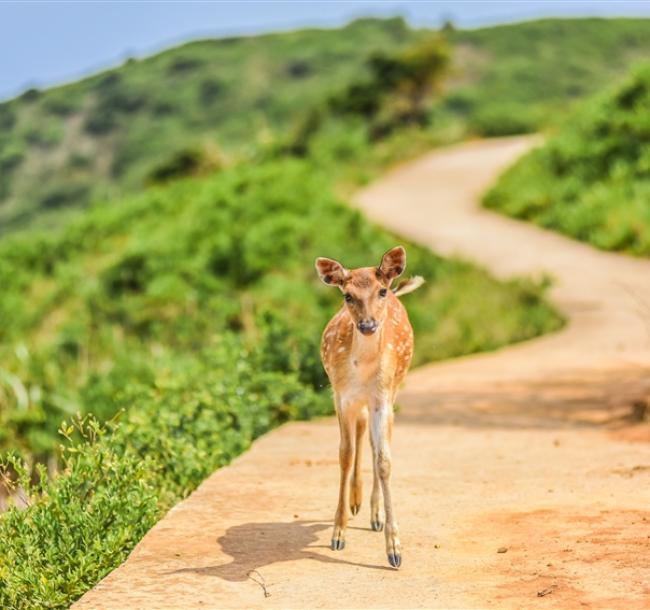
(591, 180)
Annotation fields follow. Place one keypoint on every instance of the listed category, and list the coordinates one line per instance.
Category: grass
(590, 181)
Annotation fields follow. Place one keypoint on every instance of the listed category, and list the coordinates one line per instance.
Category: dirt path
(526, 449)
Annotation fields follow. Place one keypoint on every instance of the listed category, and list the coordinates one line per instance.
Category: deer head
(366, 289)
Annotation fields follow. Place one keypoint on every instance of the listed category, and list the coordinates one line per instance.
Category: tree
(400, 87)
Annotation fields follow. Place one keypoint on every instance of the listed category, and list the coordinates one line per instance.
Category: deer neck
(367, 347)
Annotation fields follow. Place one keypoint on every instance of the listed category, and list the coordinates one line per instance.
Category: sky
(50, 42)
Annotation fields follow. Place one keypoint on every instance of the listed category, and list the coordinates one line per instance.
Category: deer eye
(383, 292)
(348, 298)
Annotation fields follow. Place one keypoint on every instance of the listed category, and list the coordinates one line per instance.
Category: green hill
(103, 136)
(591, 180)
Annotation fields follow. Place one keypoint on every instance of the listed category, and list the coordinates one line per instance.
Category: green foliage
(188, 161)
(398, 87)
(192, 312)
(77, 527)
(522, 77)
(591, 180)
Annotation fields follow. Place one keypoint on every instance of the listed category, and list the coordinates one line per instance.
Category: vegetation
(398, 89)
(171, 327)
(107, 135)
(173, 269)
(591, 181)
(522, 77)
(194, 311)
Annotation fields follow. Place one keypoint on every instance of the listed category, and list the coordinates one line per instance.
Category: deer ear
(393, 263)
(331, 272)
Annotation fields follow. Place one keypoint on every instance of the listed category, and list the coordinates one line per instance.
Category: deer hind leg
(346, 461)
(381, 431)
(356, 488)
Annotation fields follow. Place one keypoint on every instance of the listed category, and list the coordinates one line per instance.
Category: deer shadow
(255, 545)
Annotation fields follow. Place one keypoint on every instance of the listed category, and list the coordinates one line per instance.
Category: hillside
(103, 136)
(591, 180)
(521, 77)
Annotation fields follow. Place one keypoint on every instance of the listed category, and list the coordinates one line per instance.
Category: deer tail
(408, 285)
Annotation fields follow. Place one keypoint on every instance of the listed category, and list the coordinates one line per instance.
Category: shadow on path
(595, 399)
(255, 545)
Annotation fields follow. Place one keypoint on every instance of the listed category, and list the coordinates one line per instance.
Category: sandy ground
(519, 480)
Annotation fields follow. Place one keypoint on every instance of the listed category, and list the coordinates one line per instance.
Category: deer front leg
(356, 488)
(380, 429)
(376, 510)
(346, 460)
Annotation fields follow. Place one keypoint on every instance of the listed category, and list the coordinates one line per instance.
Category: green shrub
(11, 158)
(31, 94)
(188, 161)
(192, 417)
(399, 88)
(591, 180)
(64, 193)
(7, 116)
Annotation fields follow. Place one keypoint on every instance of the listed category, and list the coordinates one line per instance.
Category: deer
(366, 350)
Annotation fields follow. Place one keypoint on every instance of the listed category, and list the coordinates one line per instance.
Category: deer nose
(367, 327)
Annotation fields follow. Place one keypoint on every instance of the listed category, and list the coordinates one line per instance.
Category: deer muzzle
(367, 327)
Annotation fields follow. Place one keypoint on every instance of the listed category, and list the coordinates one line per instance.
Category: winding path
(516, 482)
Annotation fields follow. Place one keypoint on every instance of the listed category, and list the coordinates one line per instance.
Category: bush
(65, 194)
(503, 120)
(189, 161)
(31, 94)
(11, 158)
(591, 180)
(210, 90)
(182, 64)
(399, 88)
(193, 418)
(7, 117)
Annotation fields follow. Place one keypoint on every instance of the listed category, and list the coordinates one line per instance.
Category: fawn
(366, 350)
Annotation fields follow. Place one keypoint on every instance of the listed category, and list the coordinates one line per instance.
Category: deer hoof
(395, 559)
(377, 526)
(338, 544)
(355, 508)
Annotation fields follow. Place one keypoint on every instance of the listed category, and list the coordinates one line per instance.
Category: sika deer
(366, 351)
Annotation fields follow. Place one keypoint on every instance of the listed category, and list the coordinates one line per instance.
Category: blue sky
(45, 43)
